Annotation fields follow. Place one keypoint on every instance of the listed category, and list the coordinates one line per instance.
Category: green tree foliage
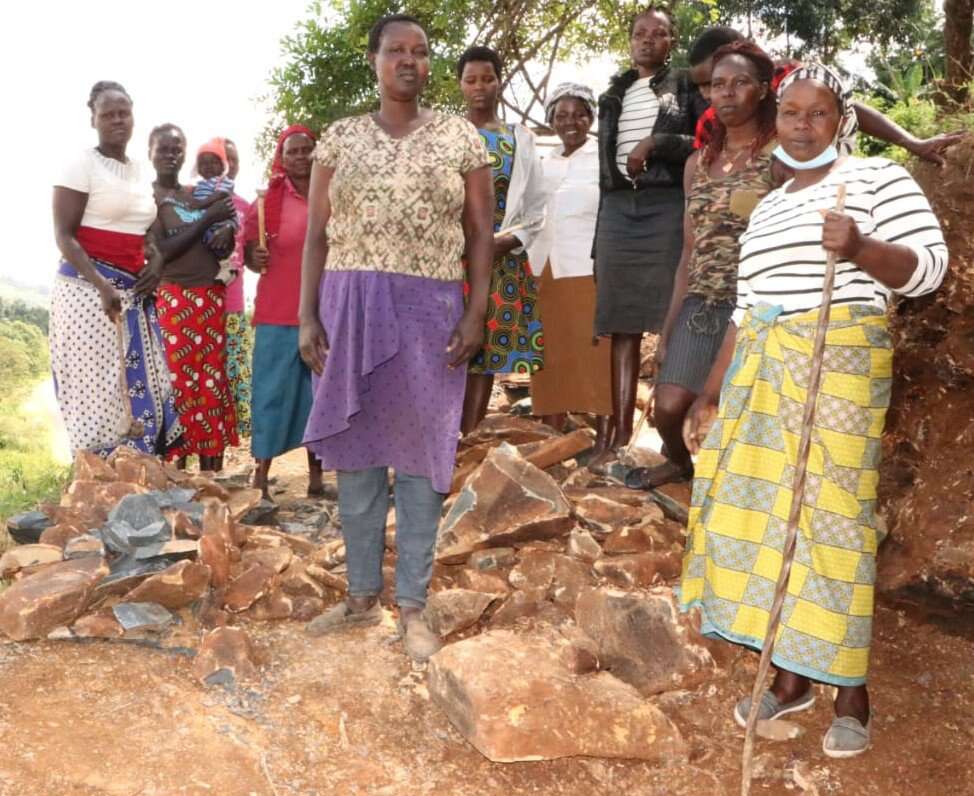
(18, 310)
(23, 357)
(826, 26)
(325, 74)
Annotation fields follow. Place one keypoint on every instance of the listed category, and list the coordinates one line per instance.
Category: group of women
(149, 341)
(411, 255)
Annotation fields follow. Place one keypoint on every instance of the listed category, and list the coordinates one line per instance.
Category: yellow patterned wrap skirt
(743, 488)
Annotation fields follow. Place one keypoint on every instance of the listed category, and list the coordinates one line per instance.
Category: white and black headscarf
(845, 136)
(573, 90)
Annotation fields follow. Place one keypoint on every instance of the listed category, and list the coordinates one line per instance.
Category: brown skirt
(576, 372)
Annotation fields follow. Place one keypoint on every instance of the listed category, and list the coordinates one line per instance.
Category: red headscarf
(278, 182)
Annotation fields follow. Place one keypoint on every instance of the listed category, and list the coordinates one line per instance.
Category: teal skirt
(281, 392)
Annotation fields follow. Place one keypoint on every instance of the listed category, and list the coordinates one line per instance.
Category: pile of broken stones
(557, 577)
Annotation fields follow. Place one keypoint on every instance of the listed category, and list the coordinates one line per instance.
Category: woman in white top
(513, 339)
(888, 242)
(109, 368)
(576, 372)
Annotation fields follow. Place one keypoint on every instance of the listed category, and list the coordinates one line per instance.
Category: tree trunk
(959, 19)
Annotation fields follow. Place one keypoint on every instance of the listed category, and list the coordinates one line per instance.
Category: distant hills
(32, 295)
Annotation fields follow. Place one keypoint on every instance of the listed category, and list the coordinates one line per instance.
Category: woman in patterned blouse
(397, 198)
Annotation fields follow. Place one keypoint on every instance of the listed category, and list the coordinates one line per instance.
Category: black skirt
(637, 250)
(694, 343)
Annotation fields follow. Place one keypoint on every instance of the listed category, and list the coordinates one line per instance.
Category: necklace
(732, 157)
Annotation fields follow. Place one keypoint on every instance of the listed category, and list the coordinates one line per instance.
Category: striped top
(640, 107)
(782, 259)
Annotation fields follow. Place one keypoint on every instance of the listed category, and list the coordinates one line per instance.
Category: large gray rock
(514, 697)
(27, 528)
(123, 537)
(137, 510)
(506, 500)
(643, 639)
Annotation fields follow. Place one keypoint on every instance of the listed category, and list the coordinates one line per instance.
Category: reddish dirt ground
(348, 714)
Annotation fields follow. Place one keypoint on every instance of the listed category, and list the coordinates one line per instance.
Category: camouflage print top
(719, 209)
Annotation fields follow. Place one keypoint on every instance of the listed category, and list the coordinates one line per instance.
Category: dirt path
(349, 715)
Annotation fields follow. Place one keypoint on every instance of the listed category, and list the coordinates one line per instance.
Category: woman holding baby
(196, 229)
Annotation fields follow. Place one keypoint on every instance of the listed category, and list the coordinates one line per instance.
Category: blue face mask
(828, 155)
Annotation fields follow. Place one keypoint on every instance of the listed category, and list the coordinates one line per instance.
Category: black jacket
(680, 105)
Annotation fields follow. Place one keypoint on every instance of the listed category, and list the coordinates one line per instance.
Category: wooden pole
(128, 425)
(261, 222)
(797, 497)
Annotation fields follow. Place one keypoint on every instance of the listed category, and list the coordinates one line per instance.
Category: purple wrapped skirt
(386, 397)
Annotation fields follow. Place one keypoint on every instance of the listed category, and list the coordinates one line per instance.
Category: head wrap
(218, 147)
(845, 135)
(573, 90)
(279, 179)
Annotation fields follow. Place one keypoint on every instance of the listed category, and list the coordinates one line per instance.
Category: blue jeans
(363, 503)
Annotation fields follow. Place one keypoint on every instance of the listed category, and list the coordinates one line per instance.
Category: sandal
(647, 478)
(340, 616)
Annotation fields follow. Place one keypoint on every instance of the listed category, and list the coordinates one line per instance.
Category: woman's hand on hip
(313, 345)
(467, 339)
(698, 421)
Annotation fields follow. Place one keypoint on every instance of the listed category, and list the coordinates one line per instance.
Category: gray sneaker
(420, 642)
(340, 616)
(771, 708)
(846, 738)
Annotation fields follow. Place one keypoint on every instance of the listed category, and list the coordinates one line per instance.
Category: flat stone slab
(143, 616)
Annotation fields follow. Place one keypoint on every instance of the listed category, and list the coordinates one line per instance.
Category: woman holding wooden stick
(887, 242)
(513, 340)
(281, 385)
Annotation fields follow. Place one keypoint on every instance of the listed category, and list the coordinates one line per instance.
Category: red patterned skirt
(192, 323)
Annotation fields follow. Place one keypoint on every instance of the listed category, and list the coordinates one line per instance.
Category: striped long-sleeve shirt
(782, 259)
(640, 107)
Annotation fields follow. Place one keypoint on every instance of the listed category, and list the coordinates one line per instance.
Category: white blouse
(571, 185)
(120, 197)
(782, 259)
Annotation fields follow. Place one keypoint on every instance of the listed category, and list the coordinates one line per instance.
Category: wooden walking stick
(797, 497)
(261, 222)
(647, 408)
(128, 426)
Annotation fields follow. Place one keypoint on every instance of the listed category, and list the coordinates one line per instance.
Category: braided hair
(767, 109)
(101, 87)
(654, 9)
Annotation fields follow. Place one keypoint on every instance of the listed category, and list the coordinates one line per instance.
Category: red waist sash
(120, 249)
